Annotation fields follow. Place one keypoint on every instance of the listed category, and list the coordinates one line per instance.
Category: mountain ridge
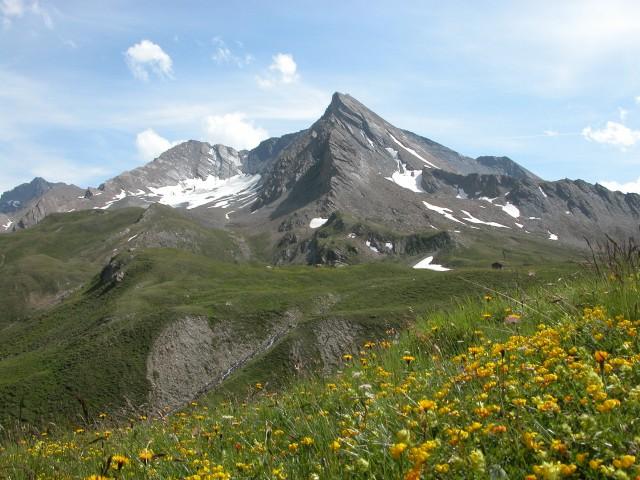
(350, 160)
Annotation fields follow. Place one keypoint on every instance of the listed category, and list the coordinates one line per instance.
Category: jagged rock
(113, 272)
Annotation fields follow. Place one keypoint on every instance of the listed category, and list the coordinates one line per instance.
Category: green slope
(93, 348)
(467, 392)
(41, 265)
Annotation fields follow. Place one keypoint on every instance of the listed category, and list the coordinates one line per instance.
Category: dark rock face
(20, 197)
(189, 160)
(113, 272)
(506, 166)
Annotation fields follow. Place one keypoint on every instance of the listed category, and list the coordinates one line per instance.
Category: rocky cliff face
(21, 196)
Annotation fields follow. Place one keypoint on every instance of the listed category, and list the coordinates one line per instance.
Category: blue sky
(89, 89)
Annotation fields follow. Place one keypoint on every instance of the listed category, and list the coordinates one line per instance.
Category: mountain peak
(343, 102)
(15, 199)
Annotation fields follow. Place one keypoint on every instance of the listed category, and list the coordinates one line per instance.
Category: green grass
(461, 394)
(41, 265)
(94, 346)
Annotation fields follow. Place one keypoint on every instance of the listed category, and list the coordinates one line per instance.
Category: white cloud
(14, 9)
(150, 145)
(285, 65)
(234, 130)
(145, 57)
(224, 54)
(628, 187)
(550, 133)
(614, 133)
(283, 70)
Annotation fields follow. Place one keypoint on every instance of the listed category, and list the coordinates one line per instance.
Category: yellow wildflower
(397, 450)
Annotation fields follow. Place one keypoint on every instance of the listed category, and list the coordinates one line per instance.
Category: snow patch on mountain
(116, 198)
(510, 209)
(409, 179)
(470, 218)
(195, 192)
(446, 212)
(427, 265)
(542, 191)
(7, 225)
(552, 236)
(412, 151)
(317, 222)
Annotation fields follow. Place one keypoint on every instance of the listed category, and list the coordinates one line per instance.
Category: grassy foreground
(545, 386)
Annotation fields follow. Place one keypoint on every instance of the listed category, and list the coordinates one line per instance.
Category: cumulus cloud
(150, 145)
(224, 54)
(628, 187)
(283, 70)
(234, 130)
(285, 65)
(145, 57)
(613, 133)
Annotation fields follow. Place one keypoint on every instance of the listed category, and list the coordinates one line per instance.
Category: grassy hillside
(542, 384)
(42, 265)
(89, 354)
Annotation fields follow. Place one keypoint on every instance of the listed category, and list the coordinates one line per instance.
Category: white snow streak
(119, 196)
(412, 151)
(552, 236)
(542, 191)
(426, 264)
(472, 219)
(446, 212)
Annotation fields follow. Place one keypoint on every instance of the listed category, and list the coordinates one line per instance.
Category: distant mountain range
(351, 161)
